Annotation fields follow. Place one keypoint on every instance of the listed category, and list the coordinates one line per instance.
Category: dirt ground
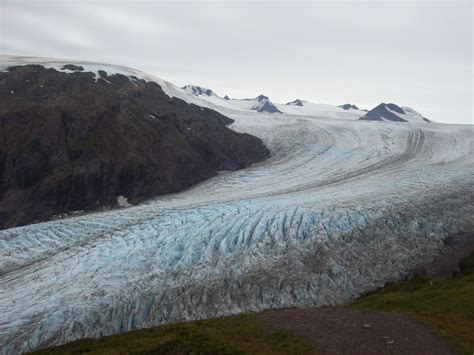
(347, 331)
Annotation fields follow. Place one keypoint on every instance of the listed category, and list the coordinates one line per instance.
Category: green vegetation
(245, 333)
(446, 304)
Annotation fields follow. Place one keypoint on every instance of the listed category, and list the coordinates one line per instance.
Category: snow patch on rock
(122, 201)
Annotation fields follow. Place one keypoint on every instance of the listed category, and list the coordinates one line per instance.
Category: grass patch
(241, 334)
(446, 304)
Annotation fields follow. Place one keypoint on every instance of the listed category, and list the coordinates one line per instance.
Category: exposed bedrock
(70, 142)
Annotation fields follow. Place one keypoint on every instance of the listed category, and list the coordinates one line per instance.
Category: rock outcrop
(70, 141)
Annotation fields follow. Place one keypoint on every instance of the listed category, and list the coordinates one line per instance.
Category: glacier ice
(340, 208)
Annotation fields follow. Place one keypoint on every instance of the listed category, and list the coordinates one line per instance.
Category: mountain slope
(263, 104)
(394, 113)
(296, 102)
(76, 142)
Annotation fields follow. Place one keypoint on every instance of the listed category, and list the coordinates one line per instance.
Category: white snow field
(340, 208)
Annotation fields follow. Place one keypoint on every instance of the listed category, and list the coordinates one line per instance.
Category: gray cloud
(415, 54)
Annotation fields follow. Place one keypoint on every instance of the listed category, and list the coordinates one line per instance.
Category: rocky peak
(394, 113)
(198, 90)
(348, 107)
(264, 104)
(296, 102)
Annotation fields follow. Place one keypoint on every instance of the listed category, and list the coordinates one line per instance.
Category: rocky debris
(69, 141)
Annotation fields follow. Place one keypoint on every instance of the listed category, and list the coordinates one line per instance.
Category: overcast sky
(416, 54)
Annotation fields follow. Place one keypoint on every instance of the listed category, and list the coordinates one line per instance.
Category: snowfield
(341, 207)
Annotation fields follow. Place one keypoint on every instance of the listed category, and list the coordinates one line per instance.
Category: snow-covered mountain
(228, 106)
(394, 113)
(263, 104)
(339, 209)
(296, 102)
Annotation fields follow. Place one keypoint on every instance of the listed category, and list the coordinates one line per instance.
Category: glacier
(339, 209)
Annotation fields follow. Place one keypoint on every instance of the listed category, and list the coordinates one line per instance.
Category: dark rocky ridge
(380, 112)
(70, 142)
(296, 102)
(73, 67)
(348, 107)
(198, 90)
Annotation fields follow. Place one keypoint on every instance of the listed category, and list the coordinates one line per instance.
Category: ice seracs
(393, 113)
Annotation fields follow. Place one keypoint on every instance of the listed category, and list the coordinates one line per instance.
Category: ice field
(340, 208)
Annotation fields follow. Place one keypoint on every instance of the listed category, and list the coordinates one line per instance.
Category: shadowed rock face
(381, 112)
(395, 108)
(69, 142)
(296, 102)
(264, 104)
(73, 67)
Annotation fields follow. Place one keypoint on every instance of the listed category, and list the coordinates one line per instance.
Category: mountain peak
(394, 113)
(198, 90)
(264, 104)
(348, 107)
(296, 102)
